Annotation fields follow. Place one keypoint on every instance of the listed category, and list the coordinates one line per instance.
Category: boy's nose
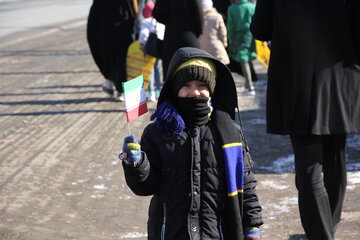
(195, 93)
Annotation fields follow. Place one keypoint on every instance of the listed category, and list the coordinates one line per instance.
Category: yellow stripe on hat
(201, 62)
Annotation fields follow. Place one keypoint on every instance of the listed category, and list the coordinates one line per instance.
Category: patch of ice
(109, 175)
(353, 166)
(130, 235)
(289, 201)
(284, 164)
(115, 162)
(281, 165)
(353, 141)
(261, 84)
(73, 193)
(273, 184)
(353, 177)
(125, 197)
(100, 187)
(281, 208)
(94, 165)
(258, 121)
(97, 196)
(80, 181)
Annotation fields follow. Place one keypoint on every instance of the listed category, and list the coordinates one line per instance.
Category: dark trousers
(320, 196)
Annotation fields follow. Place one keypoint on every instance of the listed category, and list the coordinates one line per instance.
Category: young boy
(193, 158)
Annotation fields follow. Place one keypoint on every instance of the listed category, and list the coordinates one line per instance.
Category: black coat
(314, 82)
(183, 20)
(174, 167)
(222, 6)
(169, 172)
(109, 33)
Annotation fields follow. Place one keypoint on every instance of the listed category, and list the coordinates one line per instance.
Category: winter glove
(252, 233)
(132, 149)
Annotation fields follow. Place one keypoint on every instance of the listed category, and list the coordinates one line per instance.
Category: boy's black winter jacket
(179, 166)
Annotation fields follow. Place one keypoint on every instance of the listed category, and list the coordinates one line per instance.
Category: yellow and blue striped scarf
(232, 147)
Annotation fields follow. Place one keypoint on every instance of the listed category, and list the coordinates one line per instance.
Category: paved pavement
(60, 135)
(29, 15)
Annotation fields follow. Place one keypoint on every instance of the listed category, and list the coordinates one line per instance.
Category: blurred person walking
(110, 30)
(183, 20)
(222, 7)
(313, 96)
(149, 25)
(214, 37)
(241, 42)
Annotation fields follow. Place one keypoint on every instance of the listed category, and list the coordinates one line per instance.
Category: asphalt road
(29, 15)
(60, 136)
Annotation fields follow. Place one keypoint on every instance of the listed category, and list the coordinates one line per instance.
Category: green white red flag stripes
(135, 98)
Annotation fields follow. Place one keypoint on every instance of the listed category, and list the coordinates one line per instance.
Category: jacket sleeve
(161, 11)
(144, 32)
(222, 31)
(144, 179)
(262, 20)
(230, 25)
(251, 207)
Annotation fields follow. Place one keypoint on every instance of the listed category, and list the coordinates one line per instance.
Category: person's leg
(245, 66)
(151, 92)
(314, 205)
(108, 87)
(334, 168)
(157, 77)
(119, 76)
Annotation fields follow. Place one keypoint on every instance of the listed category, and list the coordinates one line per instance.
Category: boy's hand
(131, 151)
(252, 233)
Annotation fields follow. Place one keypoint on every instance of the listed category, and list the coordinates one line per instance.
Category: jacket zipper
(221, 231)
(164, 223)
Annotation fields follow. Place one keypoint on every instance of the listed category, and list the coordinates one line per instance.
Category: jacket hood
(224, 97)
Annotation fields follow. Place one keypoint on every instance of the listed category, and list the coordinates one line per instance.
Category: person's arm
(144, 32)
(230, 25)
(197, 13)
(251, 206)
(136, 6)
(144, 178)
(262, 21)
(222, 31)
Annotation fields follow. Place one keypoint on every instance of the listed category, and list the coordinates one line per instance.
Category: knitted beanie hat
(195, 69)
(148, 8)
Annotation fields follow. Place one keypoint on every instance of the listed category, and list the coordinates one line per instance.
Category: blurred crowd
(220, 27)
(313, 80)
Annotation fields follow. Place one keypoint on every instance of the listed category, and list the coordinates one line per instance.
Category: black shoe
(110, 92)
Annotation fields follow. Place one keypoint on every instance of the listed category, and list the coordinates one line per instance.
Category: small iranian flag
(135, 98)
